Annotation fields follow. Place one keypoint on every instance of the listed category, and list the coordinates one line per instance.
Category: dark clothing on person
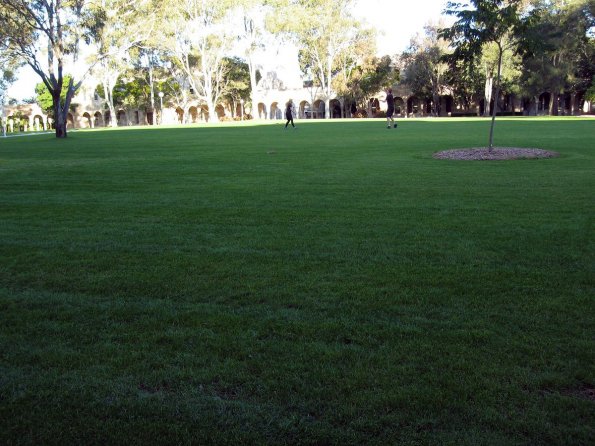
(390, 102)
(289, 115)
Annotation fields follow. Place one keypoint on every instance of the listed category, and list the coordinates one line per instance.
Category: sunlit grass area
(334, 284)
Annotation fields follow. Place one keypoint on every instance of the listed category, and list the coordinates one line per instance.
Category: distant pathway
(26, 134)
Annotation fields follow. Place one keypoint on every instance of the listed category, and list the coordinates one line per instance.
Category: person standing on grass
(390, 103)
(289, 114)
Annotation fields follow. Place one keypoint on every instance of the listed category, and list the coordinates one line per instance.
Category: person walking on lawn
(289, 114)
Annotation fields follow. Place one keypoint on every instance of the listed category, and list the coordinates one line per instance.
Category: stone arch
(38, 122)
(335, 109)
(305, 110)
(86, 122)
(107, 118)
(97, 120)
(262, 111)
(446, 103)
(10, 123)
(220, 111)
(204, 112)
(136, 116)
(70, 121)
(193, 114)
(318, 110)
(121, 118)
(400, 106)
(275, 111)
(179, 114)
(414, 106)
(373, 107)
(150, 117)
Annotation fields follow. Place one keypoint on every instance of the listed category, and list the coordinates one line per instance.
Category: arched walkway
(122, 119)
(275, 111)
(399, 106)
(98, 119)
(179, 114)
(220, 111)
(86, 121)
(318, 110)
(38, 123)
(305, 110)
(193, 113)
(335, 107)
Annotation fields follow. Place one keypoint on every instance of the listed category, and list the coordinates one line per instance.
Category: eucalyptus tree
(352, 63)
(123, 26)
(198, 40)
(7, 77)
(425, 68)
(370, 76)
(478, 23)
(46, 36)
(252, 33)
(238, 83)
(323, 30)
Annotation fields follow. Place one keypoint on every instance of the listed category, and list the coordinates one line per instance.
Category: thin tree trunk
(491, 142)
(489, 88)
(554, 104)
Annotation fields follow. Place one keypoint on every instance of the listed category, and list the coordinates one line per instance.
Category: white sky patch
(397, 21)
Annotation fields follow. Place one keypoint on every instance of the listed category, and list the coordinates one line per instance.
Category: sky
(396, 20)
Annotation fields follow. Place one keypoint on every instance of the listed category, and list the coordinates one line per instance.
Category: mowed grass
(243, 284)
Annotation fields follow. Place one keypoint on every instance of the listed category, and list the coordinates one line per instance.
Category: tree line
(206, 51)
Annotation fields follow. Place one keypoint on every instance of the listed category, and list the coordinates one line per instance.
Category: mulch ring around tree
(496, 154)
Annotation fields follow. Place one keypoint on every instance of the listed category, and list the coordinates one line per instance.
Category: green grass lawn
(245, 284)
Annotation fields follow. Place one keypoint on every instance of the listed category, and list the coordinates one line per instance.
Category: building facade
(89, 111)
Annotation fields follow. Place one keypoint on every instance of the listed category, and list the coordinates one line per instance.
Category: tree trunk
(489, 87)
(554, 104)
(212, 112)
(491, 142)
(253, 97)
(59, 119)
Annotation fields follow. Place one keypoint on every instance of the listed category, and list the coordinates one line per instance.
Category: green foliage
(44, 97)
(238, 79)
(373, 75)
(590, 94)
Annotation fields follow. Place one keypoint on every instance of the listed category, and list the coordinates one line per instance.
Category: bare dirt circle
(496, 154)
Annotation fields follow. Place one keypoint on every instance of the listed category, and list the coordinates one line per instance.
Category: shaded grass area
(328, 285)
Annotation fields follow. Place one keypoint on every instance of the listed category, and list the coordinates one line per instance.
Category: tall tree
(198, 42)
(480, 22)
(7, 77)
(45, 35)
(425, 69)
(370, 77)
(509, 70)
(252, 33)
(323, 29)
(124, 26)
(238, 86)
